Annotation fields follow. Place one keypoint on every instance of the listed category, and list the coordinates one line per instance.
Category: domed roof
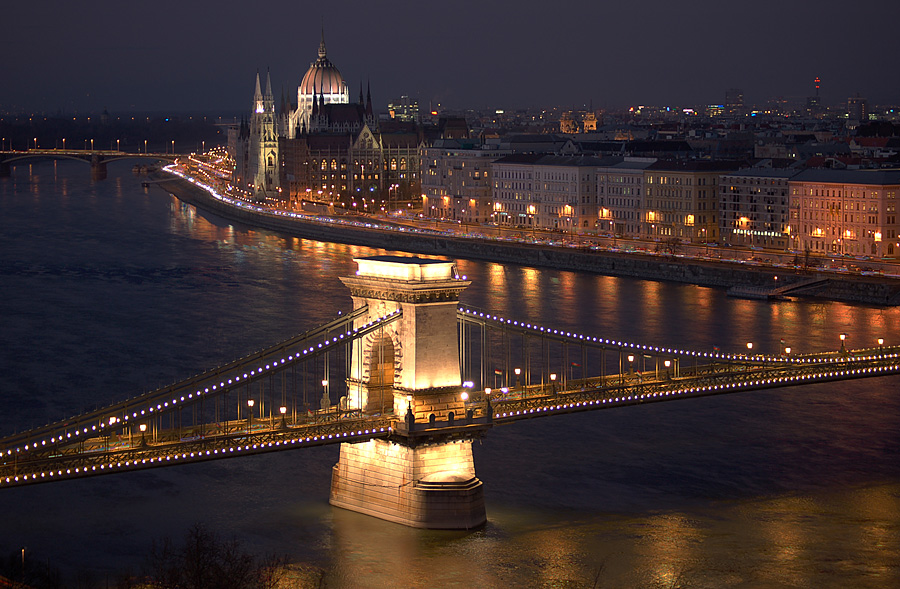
(322, 77)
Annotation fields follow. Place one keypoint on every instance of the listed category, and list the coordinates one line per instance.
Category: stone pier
(424, 476)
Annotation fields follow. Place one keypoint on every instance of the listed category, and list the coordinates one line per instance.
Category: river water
(107, 290)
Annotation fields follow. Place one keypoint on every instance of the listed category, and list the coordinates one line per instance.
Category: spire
(360, 93)
(268, 83)
(257, 93)
(315, 104)
(369, 98)
(322, 44)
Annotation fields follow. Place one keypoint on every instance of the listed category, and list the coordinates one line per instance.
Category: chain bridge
(404, 382)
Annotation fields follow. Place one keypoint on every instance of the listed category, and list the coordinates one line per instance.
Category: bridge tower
(424, 476)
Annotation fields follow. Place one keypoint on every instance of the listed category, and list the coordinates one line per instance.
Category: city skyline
(187, 57)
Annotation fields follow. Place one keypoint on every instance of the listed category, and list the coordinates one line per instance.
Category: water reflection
(796, 487)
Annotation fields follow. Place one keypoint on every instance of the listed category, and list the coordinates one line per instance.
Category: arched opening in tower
(381, 376)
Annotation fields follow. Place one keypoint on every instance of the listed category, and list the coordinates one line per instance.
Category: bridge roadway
(109, 452)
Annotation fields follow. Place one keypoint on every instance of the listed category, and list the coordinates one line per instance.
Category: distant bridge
(97, 158)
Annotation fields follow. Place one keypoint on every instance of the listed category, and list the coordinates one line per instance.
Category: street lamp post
(250, 404)
(881, 346)
(283, 411)
(143, 428)
(553, 382)
(667, 364)
(843, 338)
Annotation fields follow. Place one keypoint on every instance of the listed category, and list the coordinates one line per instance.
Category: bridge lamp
(464, 396)
(667, 364)
(843, 337)
(881, 345)
(750, 346)
(250, 404)
(518, 371)
(92, 145)
(630, 364)
(283, 410)
(64, 143)
(787, 350)
(487, 391)
(143, 428)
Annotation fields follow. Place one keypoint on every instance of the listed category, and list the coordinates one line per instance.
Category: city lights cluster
(539, 330)
(247, 206)
(185, 456)
(162, 406)
(705, 390)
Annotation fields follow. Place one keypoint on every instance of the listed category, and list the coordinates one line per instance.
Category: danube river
(108, 290)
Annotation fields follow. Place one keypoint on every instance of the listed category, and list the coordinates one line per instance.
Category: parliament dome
(323, 77)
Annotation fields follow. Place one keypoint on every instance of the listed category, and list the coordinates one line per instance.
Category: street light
(553, 382)
(250, 404)
(881, 345)
(143, 428)
(283, 410)
(518, 371)
(630, 365)
(667, 364)
(843, 337)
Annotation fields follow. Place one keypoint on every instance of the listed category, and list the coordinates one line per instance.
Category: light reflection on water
(107, 290)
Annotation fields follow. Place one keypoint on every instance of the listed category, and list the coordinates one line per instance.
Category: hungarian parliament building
(325, 148)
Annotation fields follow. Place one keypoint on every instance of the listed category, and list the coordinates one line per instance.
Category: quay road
(877, 282)
(210, 170)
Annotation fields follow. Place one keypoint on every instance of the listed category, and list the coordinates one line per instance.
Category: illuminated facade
(263, 159)
(554, 192)
(322, 84)
(456, 180)
(754, 209)
(411, 368)
(620, 196)
(846, 212)
(327, 150)
(682, 199)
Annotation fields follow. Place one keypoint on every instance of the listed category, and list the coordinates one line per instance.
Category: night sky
(202, 56)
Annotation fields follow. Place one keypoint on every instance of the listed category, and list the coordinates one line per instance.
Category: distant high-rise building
(857, 110)
(734, 101)
(404, 109)
(813, 104)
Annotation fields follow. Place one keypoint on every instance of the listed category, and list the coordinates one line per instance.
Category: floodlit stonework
(409, 365)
